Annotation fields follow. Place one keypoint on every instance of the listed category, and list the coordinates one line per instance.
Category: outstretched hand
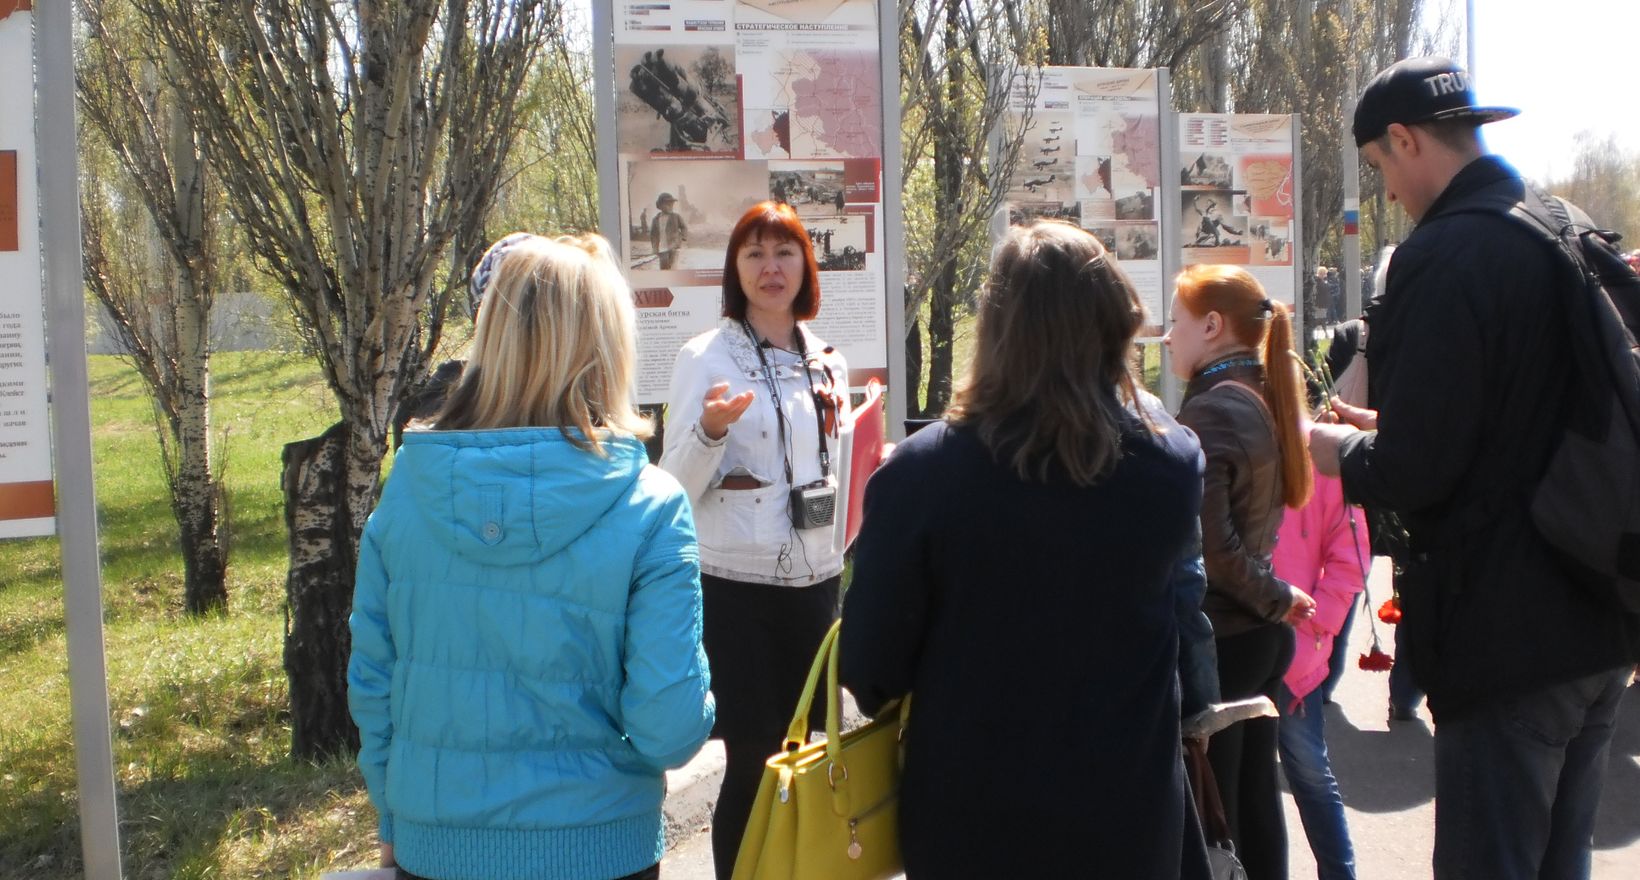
(719, 412)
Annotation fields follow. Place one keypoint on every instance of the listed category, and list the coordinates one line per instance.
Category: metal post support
(71, 422)
(1468, 35)
(899, 381)
(604, 108)
(1352, 187)
(1167, 208)
(1300, 327)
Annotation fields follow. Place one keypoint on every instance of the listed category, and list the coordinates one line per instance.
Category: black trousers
(1243, 755)
(760, 641)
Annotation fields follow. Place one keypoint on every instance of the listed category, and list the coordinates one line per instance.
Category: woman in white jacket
(757, 433)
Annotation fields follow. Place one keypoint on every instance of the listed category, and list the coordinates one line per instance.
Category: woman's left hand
(1303, 607)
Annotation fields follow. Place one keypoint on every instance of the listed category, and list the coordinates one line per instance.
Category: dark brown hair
(771, 222)
(1051, 366)
(1262, 324)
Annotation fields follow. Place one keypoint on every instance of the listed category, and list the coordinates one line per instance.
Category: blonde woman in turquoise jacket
(527, 616)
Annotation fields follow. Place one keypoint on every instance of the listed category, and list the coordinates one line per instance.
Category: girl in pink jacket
(1322, 550)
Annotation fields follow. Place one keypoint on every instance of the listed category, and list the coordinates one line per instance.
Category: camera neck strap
(774, 397)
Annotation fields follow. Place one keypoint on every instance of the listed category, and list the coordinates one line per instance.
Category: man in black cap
(1470, 363)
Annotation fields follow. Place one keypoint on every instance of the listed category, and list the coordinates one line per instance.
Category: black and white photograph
(812, 188)
(1049, 136)
(1206, 169)
(839, 241)
(1137, 241)
(682, 211)
(1026, 211)
(678, 99)
(1136, 205)
(1273, 242)
(1206, 220)
(1107, 236)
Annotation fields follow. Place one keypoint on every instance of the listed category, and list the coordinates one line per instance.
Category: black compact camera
(814, 505)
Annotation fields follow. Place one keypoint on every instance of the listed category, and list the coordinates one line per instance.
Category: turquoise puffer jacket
(526, 655)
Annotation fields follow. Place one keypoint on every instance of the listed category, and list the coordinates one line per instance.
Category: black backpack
(1587, 504)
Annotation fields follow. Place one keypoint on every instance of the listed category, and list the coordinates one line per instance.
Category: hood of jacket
(510, 496)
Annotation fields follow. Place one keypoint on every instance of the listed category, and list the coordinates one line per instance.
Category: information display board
(26, 488)
(1238, 195)
(1090, 154)
(719, 105)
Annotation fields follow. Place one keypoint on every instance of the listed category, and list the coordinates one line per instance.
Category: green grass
(199, 707)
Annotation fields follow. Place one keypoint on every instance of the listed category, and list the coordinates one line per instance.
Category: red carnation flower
(1376, 660)
(1390, 611)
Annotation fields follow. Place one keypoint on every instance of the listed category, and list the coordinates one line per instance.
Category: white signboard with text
(26, 488)
(1238, 195)
(1090, 154)
(721, 104)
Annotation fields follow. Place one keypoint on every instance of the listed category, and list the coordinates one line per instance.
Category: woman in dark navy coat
(1015, 573)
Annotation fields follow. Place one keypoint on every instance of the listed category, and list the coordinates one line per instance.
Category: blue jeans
(1518, 783)
(1340, 658)
(1315, 790)
(1403, 694)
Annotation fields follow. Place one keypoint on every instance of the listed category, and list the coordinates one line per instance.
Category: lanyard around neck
(779, 411)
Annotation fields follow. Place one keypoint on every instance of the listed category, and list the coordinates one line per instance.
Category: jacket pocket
(740, 521)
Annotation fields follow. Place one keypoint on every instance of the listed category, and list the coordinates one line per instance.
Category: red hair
(1264, 325)
(773, 222)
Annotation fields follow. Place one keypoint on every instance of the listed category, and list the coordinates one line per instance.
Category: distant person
(1335, 296)
(668, 231)
(1244, 400)
(1471, 364)
(526, 622)
(759, 407)
(1068, 613)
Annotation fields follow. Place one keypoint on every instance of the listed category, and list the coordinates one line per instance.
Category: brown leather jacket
(1241, 495)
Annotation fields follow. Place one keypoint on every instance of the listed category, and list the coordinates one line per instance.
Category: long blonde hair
(554, 347)
(1051, 368)
(1264, 325)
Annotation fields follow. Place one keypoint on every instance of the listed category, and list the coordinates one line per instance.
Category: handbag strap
(797, 733)
(1205, 789)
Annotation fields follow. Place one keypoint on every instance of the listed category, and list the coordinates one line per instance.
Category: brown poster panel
(27, 500)
(8, 198)
(7, 7)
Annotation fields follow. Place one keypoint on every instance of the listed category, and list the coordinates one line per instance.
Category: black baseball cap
(1420, 90)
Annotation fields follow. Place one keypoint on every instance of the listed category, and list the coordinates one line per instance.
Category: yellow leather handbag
(828, 810)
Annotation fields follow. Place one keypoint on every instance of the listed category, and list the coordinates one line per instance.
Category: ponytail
(1284, 393)
(1258, 322)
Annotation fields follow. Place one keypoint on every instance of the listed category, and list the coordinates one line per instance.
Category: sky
(1568, 66)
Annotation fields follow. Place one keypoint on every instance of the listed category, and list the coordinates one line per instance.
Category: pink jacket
(1321, 549)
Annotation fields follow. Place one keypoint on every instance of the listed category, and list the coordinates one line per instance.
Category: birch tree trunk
(196, 493)
(163, 328)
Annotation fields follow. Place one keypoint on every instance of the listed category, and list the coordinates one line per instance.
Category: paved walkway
(1386, 774)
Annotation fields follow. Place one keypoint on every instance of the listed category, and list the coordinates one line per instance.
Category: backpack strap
(1258, 400)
